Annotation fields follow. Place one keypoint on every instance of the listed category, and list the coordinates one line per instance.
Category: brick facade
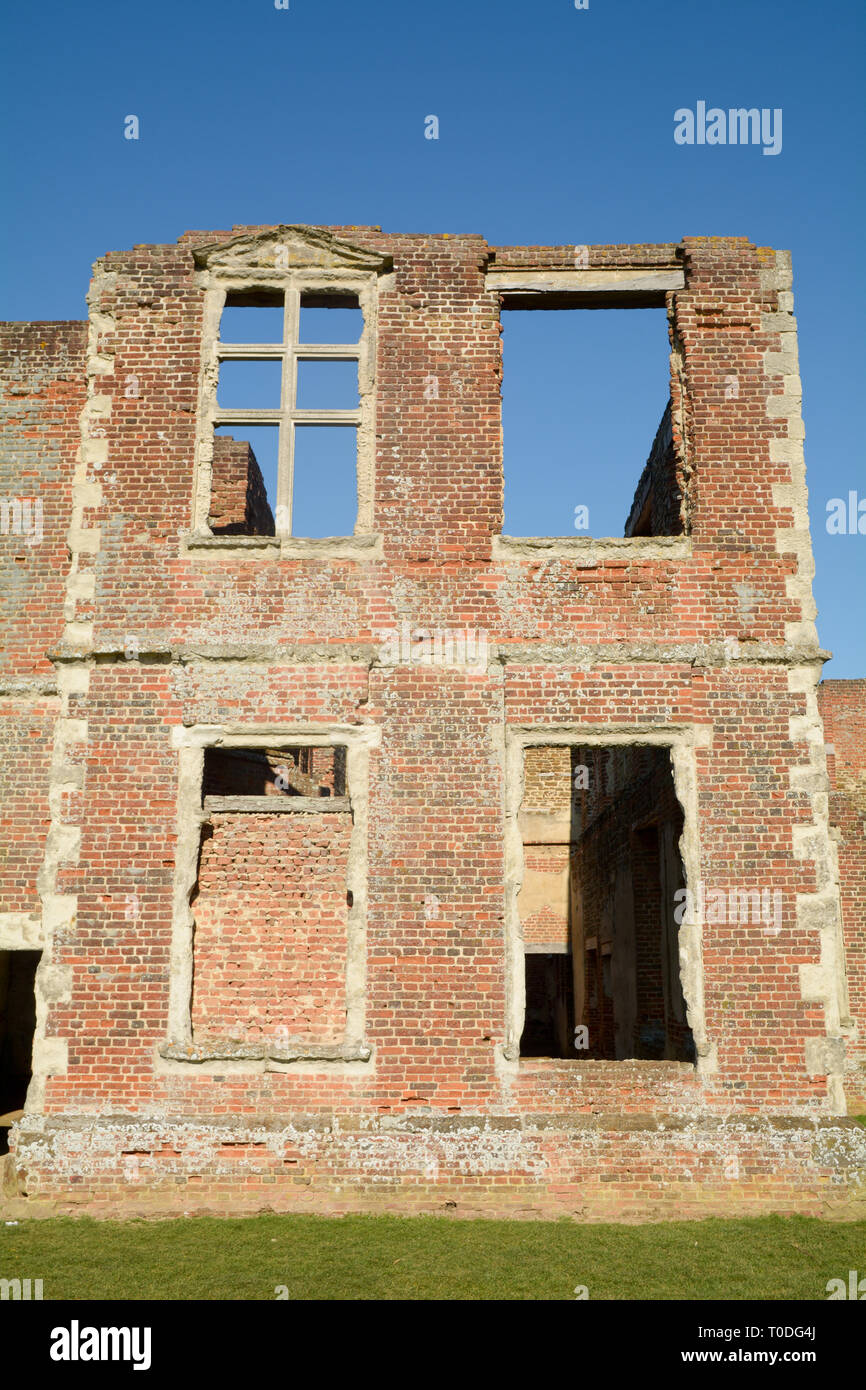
(843, 710)
(322, 1009)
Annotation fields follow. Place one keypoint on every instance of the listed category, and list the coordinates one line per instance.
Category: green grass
(392, 1257)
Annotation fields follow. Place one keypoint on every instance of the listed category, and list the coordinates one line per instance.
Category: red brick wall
(26, 736)
(843, 709)
(270, 928)
(547, 779)
(657, 509)
(42, 391)
(238, 500)
(549, 924)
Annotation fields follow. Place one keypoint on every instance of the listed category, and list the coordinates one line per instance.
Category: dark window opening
(643, 520)
(548, 1030)
(318, 771)
(17, 1026)
(601, 828)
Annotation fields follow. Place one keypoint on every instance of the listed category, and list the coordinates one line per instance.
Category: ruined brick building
(415, 864)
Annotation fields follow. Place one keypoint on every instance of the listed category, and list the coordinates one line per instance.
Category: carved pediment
(287, 247)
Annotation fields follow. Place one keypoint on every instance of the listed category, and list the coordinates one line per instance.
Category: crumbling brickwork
(42, 393)
(662, 495)
(294, 1007)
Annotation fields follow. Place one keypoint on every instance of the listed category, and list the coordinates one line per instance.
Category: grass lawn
(392, 1257)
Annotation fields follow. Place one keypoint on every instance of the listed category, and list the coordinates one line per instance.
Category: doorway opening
(17, 1026)
(601, 828)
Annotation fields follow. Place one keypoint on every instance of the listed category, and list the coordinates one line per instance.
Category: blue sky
(556, 126)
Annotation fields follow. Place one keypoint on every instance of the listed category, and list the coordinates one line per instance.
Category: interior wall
(601, 827)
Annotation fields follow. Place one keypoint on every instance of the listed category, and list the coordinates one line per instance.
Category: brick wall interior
(238, 501)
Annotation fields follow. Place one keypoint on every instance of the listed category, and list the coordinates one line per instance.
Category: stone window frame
(614, 288)
(179, 1052)
(682, 740)
(291, 282)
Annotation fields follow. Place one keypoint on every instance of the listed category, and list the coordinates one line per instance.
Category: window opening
(276, 391)
(583, 392)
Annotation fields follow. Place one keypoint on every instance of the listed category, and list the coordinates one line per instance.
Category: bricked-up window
(583, 392)
(271, 902)
(287, 413)
(601, 829)
(17, 1024)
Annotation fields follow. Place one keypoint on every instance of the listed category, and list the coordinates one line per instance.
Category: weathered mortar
(595, 1167)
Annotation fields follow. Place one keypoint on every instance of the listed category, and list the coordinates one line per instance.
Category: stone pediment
(287, 247)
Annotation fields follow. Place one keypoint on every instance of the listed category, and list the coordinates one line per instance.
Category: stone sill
(606, 1070)
(590, 553)
(366, 547)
